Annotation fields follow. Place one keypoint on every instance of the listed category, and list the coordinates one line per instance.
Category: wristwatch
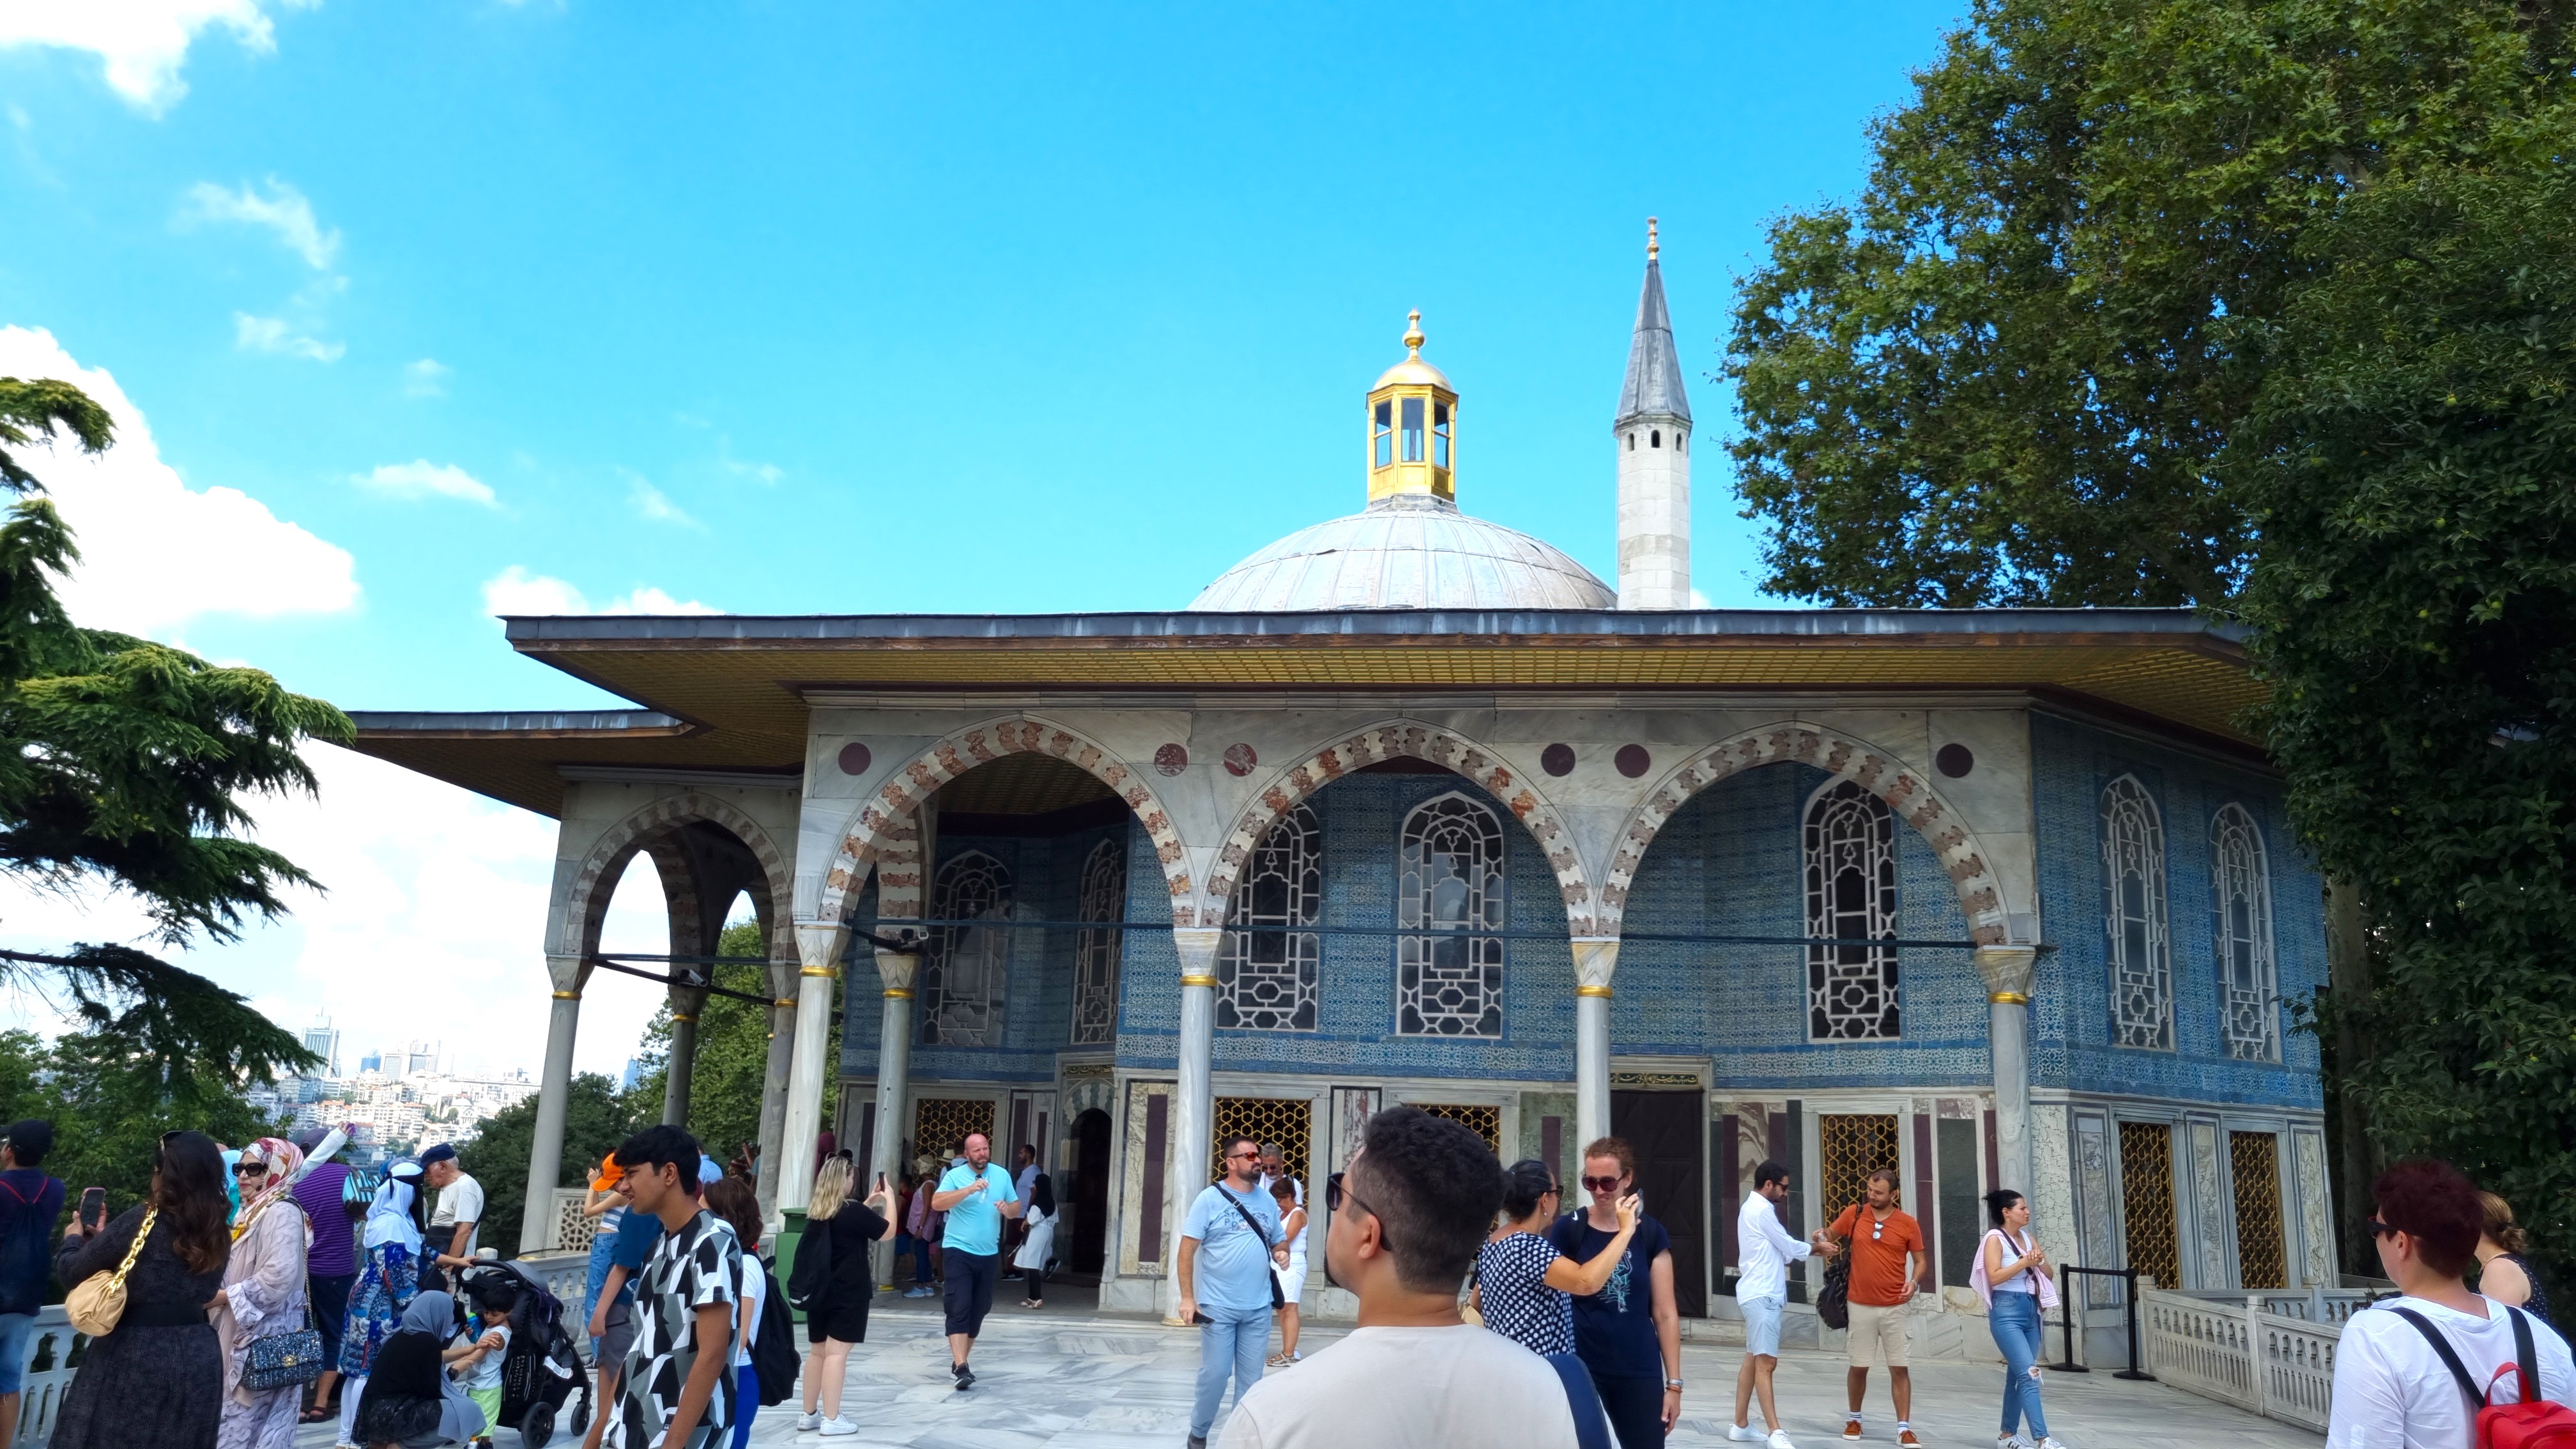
(1672, 1383)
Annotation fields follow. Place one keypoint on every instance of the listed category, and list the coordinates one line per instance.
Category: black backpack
(811, 1277)
(773, 1354)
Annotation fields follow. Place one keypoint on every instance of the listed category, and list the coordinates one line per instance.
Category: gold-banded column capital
(1197, 947)
(1596, 960)
(820, 946)
(2006, 970)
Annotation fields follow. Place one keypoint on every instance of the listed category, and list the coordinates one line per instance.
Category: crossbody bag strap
(1249, 1220)
(2450, 1357)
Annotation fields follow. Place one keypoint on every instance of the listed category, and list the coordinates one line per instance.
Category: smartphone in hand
(93, 1209)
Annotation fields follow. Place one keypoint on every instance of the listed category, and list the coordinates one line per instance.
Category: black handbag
(1278, 1300)
(1833, 1301)
(285, 1360)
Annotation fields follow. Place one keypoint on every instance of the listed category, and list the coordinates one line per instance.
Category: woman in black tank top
(2504, 1274)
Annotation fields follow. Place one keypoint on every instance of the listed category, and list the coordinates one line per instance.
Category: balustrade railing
(2236, 1349)
(48, 1374)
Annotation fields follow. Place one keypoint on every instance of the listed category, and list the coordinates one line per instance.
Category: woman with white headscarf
(263, 1293)
(386, 1285)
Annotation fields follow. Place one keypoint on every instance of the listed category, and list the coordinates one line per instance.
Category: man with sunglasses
(1887, 1263)
(1407, 1217)
(1228, 1242)
(1763, 1252)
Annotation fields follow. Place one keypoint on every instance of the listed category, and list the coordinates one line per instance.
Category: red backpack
(2533, 1424)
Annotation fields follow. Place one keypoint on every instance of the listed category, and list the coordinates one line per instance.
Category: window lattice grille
(940, 1124)
(1450, 983)
(1851, 893)
(964, 973)
(2133, 881)
(2147, 1201)
(1485, 1122)
(1852, 1146)
(2241, 879)
(1096, 950)
(1267, 980)
(2254, 1160)
(1288, 1121)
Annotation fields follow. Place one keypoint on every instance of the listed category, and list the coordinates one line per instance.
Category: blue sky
(851, 309)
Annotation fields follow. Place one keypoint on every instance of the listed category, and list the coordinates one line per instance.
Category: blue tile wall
(2071, 1010)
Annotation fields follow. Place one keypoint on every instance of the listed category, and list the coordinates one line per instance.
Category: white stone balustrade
(2258, 1351)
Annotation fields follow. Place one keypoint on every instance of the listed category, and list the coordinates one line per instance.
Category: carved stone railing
(48, 1375)
(2238, 1352)
(566, 1229)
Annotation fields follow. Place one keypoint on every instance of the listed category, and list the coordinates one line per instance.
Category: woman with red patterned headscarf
(263, 1293)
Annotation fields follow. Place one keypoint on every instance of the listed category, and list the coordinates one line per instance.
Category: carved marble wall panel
(2093, 1204)
(2316, 1217)
(2052, 1193)
(2209, 1209)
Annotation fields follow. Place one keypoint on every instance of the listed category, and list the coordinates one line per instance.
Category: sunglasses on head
(1601, 1184)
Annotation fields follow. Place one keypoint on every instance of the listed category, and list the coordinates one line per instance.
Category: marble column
(1194, 1115)
(686, 1002)
(1596, 960)
(819, 944)
(898, 971)
(554, 1095)
(773, 1085)
(2006, 971)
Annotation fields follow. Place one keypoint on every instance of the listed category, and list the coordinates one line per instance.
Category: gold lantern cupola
(1412, 428)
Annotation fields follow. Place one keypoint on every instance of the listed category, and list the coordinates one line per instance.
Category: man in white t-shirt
(456, 1223)
(1407, 1218)
(2392, 1389)
(1274, 1166)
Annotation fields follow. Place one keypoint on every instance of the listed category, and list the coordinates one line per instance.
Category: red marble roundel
(1557, 759)
(854, 759)
(1632, 760)
(1239, 759)
(1171, 759)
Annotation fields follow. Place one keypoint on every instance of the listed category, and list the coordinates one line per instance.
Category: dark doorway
(1090, 1191)
(1668, 1131)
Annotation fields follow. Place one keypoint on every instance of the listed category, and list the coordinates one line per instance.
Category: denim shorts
(1761, 1324)
(15, 1330)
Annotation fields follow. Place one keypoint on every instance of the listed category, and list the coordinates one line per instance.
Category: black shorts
(841, 1316)
(970, 1289)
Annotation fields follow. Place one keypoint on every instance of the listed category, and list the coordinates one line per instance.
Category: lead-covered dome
(1405, 552)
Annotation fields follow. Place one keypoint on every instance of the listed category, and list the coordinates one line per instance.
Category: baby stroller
(539, 1369)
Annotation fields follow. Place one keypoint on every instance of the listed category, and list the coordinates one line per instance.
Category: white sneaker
(807, 1423)
(1780, 1440)
(2050, 1443)
(1742, 1435)
(840, 1427)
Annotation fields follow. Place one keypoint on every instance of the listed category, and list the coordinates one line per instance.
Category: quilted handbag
(285, 1360)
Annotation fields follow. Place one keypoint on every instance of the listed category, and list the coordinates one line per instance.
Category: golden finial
(1413, 333)
(1651, 246)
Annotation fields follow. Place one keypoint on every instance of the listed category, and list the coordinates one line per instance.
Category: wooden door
(1668, 1131)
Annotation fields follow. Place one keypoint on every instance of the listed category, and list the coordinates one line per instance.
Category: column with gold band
(819, 946)
(554, 1092)
(688, 998)
(1194, 1102)
(1596, 960)
(898, 972)
(781, 973)
(2006, 971)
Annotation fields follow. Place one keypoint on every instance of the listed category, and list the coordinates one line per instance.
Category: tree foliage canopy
(2005, 373)
(2411, 469)
(126, 761)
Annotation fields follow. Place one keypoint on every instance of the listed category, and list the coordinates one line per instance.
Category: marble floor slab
(1078, 1380)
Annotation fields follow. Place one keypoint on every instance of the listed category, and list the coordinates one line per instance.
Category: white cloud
(422, 478)
(141, 43)
(655, 506)
(758, 472)
(275, 334)
(426, 378)
(516, 591)
(155, 552)
(1698, 600)
(284, 210)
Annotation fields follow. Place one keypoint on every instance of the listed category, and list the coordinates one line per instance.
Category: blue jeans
(919, 1248)
(15, 1330)
(1231, 1342)
(603, 1246)
(2014, 1321)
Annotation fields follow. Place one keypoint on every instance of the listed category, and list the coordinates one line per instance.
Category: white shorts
(1292, 1279)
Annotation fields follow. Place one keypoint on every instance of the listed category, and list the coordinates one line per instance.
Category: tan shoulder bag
(99, 1301)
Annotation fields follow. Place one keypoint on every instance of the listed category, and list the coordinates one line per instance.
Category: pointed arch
(2137, 926)
(1908, 794)
(1405, 739)
(2240, 879)
(887, 815)
(655, 829)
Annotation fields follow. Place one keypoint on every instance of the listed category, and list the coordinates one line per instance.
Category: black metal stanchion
(2066, 1319)
(2133, 1371)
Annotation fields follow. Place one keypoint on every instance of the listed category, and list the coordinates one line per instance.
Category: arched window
(967, 968)
(2241, 879)
(1266, 980)
(1449, 883)
(2133, 911)
(1851, 896)
(1654, 437)
(1096, 949)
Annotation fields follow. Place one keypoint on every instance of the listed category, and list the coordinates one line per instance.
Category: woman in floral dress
(263, 1293)
(386, 1285)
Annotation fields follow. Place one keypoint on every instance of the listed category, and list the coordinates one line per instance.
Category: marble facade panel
(2316, 1216)
(2209, 1207)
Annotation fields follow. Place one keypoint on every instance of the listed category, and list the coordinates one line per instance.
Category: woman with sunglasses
(263, 1293)
(1525, 1288)
(157, 1378)
(1629, 1332)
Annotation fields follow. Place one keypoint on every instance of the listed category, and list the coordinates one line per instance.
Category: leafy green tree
(596, 1119)
(123, 761)
(2005, 372)
(2409, 468)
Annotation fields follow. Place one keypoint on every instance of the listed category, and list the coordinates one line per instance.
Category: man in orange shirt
(1887, 1259)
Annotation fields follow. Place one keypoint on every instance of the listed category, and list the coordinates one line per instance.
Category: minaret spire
(1652, 429)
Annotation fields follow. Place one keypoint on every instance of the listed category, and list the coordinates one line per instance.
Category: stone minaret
(1653, 432)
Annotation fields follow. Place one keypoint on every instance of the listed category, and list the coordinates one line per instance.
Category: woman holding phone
(1629, 1334)
(157, 1378)
(840, 1318)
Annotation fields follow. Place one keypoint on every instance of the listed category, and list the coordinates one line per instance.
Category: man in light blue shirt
(976, 1195)
(1225, 1280)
